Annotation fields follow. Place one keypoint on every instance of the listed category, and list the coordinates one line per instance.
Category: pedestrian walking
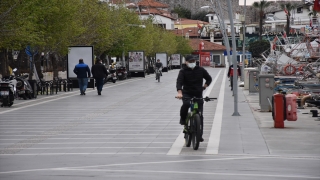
(231, 73)
(99, 72)
(82, 71)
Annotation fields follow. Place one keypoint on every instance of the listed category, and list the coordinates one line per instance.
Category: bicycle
(158, 74)
(193, 129)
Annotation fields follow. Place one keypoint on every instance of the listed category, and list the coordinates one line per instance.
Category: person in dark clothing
(231, 72)
(158, 65)
(82, 71)
(190, 84)
(99, 71)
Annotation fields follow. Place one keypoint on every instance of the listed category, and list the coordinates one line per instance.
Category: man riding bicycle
(190, 84)
(158, 65)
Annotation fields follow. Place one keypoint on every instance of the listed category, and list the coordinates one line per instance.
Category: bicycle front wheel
(196, 135)
(158, 77)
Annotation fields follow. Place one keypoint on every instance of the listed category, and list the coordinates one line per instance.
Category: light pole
(234, 54)
(222, 29)
(234, 60)
(244, 40)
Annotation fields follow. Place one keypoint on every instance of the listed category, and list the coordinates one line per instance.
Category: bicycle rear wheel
(188, 134)
(196, 134)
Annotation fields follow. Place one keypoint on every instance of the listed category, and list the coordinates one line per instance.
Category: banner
(205, 59)
(176, 59)
(163, 59)
(136, 61)
(76, 53)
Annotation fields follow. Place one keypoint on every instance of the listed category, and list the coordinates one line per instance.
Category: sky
(250, 2)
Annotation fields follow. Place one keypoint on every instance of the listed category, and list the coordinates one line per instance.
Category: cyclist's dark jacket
(99, 71)
(191, 81)
(82, 70)
(158, 65)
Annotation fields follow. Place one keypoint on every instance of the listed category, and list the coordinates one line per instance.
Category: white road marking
(72, 94)
(69, 138)
(179, 142)
(195, 173)
(214, 138)
(103, 142)
(123, 164)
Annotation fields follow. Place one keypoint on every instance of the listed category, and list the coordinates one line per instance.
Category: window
(299, 10)
(216, 59)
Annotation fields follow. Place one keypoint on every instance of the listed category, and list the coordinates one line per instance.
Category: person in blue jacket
(82, 71)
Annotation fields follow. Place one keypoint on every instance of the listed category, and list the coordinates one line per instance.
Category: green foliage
(261, 6)
(257, 47)
(54, 25)
(289, 7)
(200, 16)
(182, 12)
(183, 46)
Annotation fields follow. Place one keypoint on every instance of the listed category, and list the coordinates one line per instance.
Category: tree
(182, 12)
(202, 16)
(288, 7)
(183, 46)
(258, 47)
(261, 6)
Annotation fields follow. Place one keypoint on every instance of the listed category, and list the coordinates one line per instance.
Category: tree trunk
(54, 61)
(260, 27)
(288, 25)
(4, 62)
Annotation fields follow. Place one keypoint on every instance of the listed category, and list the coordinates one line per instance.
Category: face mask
(191, 65)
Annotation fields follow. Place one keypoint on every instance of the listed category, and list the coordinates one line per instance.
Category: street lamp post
(222, 28)
(244, 40)
(234, 54)
(234, 60)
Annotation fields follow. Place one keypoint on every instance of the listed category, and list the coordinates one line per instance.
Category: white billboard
(175, 59)
(163, 59)
(76, 53)
(136, 61)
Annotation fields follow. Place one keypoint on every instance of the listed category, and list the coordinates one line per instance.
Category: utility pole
(234, 60)
(244, 40)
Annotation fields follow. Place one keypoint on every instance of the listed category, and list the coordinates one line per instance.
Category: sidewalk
(301, 137)
(240, 134)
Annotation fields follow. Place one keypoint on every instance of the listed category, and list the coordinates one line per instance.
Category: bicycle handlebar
(205, 98)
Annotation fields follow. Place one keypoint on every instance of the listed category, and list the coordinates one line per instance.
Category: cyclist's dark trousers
(186, 105)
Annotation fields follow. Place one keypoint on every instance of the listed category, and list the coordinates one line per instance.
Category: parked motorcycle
(112, 75)
(24, 89)
(122, 73)
(7, 91)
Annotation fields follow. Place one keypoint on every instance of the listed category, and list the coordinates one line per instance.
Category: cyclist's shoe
(185, 129)
(182, 122)
(201, 139)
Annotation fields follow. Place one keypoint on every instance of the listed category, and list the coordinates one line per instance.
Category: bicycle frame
(194, 109)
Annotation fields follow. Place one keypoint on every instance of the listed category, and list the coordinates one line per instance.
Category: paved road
(132, 131)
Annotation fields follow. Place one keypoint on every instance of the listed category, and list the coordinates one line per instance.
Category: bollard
(314, 113)
(291, 107)
(278, 110)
